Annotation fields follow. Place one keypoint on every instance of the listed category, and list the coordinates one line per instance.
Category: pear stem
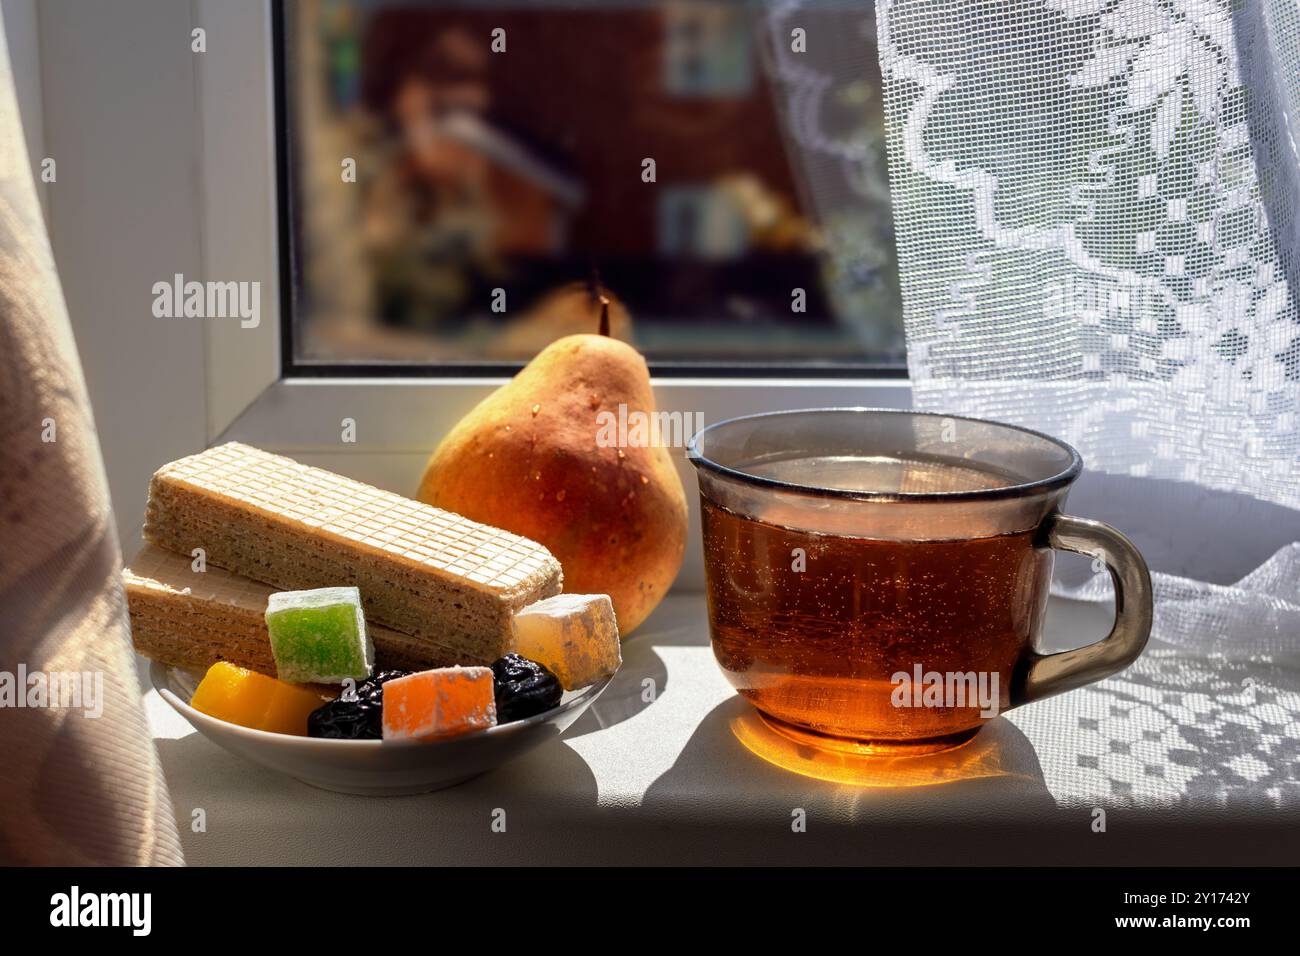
(604, 316)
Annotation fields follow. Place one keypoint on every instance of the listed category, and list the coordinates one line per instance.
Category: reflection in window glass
(467, 180)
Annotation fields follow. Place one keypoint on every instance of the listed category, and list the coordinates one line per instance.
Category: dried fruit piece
(354, 716)
(523, 688)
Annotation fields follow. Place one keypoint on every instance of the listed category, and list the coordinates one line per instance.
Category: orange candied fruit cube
(439, 703)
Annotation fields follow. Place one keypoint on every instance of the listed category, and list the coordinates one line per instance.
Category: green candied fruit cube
(319, 637)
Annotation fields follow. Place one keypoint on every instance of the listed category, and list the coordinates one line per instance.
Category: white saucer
(376, 767)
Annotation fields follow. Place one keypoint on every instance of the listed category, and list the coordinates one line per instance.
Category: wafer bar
(421, 570)
(192, 619)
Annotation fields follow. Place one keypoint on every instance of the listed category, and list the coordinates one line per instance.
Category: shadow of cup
(999, 750)
(736, 768)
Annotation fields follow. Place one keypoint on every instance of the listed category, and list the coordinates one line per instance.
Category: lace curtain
(1095, 204)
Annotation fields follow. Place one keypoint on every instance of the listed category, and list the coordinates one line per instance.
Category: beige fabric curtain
(75, 789)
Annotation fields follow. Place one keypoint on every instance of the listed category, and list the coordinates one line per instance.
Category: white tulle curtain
(1095, 204)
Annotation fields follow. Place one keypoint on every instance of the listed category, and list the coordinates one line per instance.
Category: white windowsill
(668, 781)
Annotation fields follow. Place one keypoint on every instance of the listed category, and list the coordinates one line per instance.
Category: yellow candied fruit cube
(244, 697)
(234, 694)
(290, 707)
(575, 635)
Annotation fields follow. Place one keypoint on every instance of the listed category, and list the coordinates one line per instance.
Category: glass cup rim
(1019, 490)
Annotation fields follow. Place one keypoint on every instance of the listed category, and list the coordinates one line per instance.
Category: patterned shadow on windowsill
(1174, 731)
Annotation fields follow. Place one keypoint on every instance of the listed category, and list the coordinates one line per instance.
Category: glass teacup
(878, 579)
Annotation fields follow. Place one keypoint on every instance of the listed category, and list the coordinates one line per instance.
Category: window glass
(466, 182)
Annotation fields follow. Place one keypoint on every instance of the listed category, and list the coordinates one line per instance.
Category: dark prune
(523, 688)
(354, 716)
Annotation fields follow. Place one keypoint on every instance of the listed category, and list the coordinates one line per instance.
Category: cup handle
(1048, 674)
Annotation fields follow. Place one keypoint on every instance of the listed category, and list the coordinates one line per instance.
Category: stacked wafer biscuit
(443, 588)
(193, 619)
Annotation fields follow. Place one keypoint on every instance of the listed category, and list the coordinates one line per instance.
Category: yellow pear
(535, 458)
